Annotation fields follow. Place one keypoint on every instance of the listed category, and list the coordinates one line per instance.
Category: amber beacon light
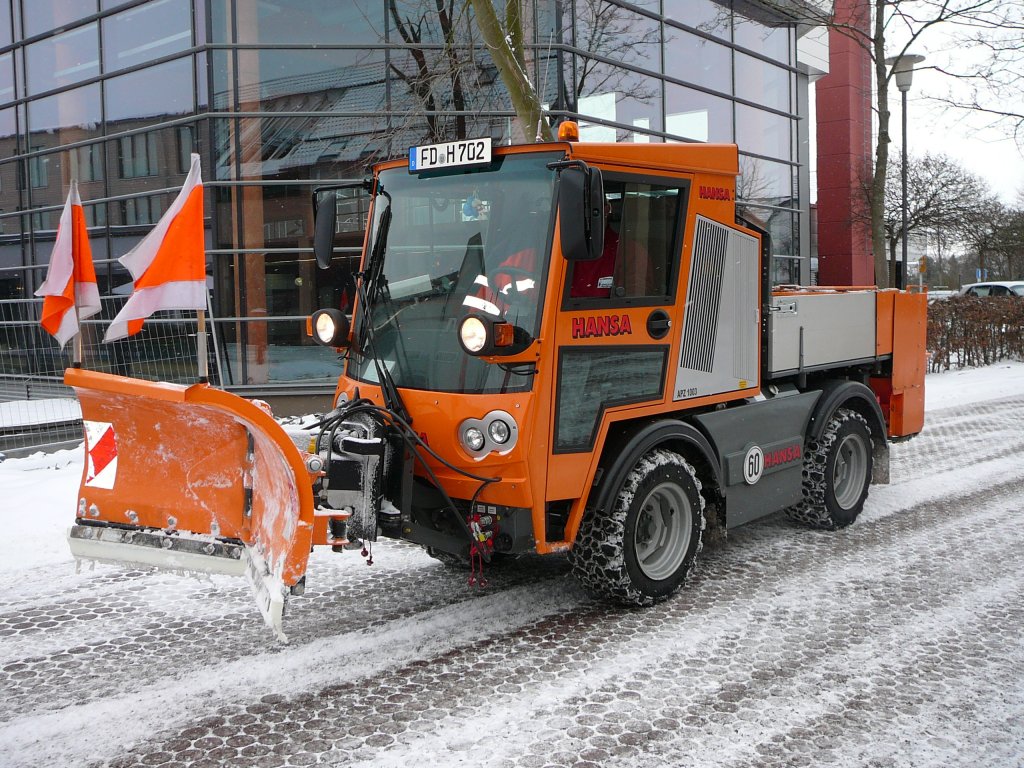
(568, 131)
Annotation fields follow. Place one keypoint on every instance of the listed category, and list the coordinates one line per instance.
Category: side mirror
(324, 216)
(581, 213)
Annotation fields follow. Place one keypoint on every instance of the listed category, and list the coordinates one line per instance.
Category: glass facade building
(279, 97)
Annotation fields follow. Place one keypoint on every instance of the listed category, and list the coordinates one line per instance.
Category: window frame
(683, 185)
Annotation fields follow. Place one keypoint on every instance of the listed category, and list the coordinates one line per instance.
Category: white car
(994, 288)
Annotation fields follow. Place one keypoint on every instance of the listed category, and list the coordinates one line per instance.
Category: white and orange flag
(169, 265)
(71, 277)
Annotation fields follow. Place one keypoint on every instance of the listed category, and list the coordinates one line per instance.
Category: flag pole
(76, 349)
(204, 377)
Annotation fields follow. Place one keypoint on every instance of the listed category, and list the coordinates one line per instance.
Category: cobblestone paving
(896, 642)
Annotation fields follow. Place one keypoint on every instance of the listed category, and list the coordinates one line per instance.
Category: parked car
(994, 288)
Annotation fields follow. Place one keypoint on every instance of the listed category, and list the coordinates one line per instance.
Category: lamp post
(903, 69)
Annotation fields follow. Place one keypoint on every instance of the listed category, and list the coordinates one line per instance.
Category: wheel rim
(850, 471)
(661, 536)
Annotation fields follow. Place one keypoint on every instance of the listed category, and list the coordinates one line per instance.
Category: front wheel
(640, 551)
(837, 473)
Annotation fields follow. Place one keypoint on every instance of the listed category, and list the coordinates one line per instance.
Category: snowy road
(896, 642)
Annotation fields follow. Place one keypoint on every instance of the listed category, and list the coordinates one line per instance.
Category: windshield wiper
(370, 290)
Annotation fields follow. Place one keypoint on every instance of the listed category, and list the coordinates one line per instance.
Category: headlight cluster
(496, 432)
(481, 335)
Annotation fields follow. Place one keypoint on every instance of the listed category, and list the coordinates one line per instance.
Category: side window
(640, 239)
(999, 290)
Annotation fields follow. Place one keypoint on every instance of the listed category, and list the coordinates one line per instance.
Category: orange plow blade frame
(191, 479)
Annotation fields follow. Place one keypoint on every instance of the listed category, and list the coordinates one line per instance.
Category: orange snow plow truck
(557, 347)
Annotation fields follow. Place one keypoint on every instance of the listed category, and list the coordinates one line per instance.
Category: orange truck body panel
(903, 329)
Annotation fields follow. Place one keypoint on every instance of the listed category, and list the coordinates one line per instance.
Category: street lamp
(903, 69)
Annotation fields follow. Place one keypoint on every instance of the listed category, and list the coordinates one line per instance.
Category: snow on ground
(40, 493)
(973, 385)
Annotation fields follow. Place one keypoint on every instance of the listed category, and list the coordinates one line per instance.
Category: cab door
(614, 330)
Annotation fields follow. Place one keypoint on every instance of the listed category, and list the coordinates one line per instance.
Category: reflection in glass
(318, 79)
(141, 210)
(7, 128)
(706, 16)
(39, 170)
(697, 116)
(762, 181)
(308, 22)
(44, 15)
(5, 23)
(636, 102)
(147, 32)
(133, 97)
(6, 78)
(65, 117)
(137, 156)
(86, 162)
(63, 59)
(697, 60)
(763, 133)
(771, 41)
(151, 155)
(616, 33)
(762, 83)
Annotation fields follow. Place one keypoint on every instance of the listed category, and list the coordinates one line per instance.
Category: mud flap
(191, 479)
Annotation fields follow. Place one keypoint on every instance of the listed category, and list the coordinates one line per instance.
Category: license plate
(451, 154)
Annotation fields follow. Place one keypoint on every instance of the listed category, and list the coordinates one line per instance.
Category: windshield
(459, 241)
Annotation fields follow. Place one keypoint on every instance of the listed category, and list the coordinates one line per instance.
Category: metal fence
(39, 412)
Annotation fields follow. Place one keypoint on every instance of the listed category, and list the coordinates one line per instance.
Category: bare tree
(893, 28)
(998, 245)
(436, 76)
(990, 84)
(944, 201)
(609, 31)
(506, 43)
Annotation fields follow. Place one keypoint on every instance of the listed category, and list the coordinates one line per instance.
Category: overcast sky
(968, 138)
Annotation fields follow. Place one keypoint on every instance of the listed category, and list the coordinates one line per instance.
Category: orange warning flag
(169, 265)
(71, 277)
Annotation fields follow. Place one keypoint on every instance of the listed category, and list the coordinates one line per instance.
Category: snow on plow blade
(191, 479)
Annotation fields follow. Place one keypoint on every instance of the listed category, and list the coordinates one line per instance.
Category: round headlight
(325, 328)
(330, 327)
(474, 439)
(473, 334)
(499, 431)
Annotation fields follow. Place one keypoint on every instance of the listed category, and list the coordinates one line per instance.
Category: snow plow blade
(191, 479)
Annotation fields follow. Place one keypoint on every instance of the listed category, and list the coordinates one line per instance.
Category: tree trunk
(524, 97)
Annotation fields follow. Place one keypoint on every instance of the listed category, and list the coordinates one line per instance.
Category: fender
(625, 450)
(858, 397)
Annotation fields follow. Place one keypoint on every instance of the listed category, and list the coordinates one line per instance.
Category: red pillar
(844, 153)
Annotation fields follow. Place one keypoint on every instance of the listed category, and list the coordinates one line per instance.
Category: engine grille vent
(704, 295)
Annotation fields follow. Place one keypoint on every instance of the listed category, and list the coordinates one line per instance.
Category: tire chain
(597, 558)
(811, 510)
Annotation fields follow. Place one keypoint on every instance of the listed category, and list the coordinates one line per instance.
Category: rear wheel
(837, 473)
(640, 551)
